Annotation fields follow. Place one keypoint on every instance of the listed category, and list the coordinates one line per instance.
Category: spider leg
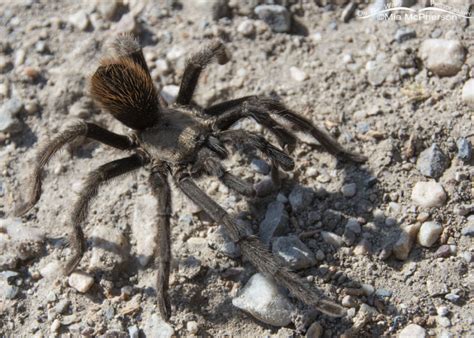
(263, 109)
(95, 178)
(80, 128)
(161, 190)
(211, 166)
(253, 249)
(195, 65)
(240, 136)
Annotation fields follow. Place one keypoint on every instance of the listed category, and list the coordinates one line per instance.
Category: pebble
(383, 293)
(298, 74)
(220, 241)
(442, 311)
(404, 244)
(192, 327)
(443, 321)
(162, 66)
(107, 9)
(8, 291)
(170, 93)
(315, 331)
(264, 187)
(443, 251)
(320, 255)
(464, 148)
(133, 331)
(368, 289)
(275, 16)
(332, 238)
(81, 281)
(467, 95)
(411, 331)
(362, 248)
(80, 20)
(468, 230)
(452, 297)
(62, 306)
(429, 233)
(293, 252)
(127, 24)
(260, 166)
(9, 123)
(436, 288)
(353, 225)
(348, 301)
(349, 190)
(275, 222)
(428, 194)
(55, 325)
(432, 162)
(156, 327)
(144, 227)
(108, 248)
(300, 198)
(264, 300)
(190, 267)
(212, 9)
(442, 57)
(405, 33)
(246, 28)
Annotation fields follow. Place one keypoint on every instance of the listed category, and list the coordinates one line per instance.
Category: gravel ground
(391, 239)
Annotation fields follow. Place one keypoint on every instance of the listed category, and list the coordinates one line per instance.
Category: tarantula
(184, 141)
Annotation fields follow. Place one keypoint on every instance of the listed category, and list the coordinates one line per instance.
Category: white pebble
(468, 93)
(192, 327)
(332, 239)
(80, 281)
(429, 233)
(170, 93)
(80, 20)
(428, 194)
(246, 28)
(411, 331)
(263, 299)
(297, 74)
(442, 57)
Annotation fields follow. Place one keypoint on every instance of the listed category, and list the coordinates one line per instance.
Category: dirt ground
(372, 90)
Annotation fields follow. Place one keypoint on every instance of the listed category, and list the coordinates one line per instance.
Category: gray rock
(315, 331)
(300, 198)
(349, 190)
(220, 241)
(276, 16)
(432, 162)
(62, 306)
(428, 194)
(190, 267)
(429, 233)
(467, 95)
(170, 93)
(405, 33)
(452, 297)
(156, 327)
(133, 331)
(109, 248)
(383, 293)
(108, 9)
(436, 287)
(8, 291)
(260, 166)
(468, 230)
(275, 222)
(332, 238)
(464, 148)
(411, 331)
(293, 252)
(144, 227)
(442, 57)
(8, 120)
(80, 20)
(404, 244)
(265, 187)
(246, 28)
(443, 321)
(263, 299)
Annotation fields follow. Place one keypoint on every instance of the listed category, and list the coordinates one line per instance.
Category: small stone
(212, 9)
(349, 190)
(412, 331)
(62, 306)
(133, 331)
(453, 298)
(429, 233)
(80, 20)
(5, 64)
(8, 291)
(144, 227)
(220, 241)
(80, 281)
(51, 271)
(127, 24)
(348, 301)
(432, 162)
(55, 325)
(275, 16)
(405, 33)
(300, 198)
(353, 225)
(170, 93)
(156, 327)
(436, 288)
(315, 331)
(464, 149)
(246, 28)
(332, 239)
(368, 289)
(428, 194)
(442, 57)
(297, 74)
(162, 66)
(190, 267)
(192, 327)
(443, 251)
(108, 9)
(264, 187)
(320, 255)
(260, 166)
(468, 230)
(275, 222)
(383, 293)
(293, 252)
(403, 246)
(8, 112)
(263, 299)
(442, 311)
(443, 321)
(362, 248)
(467, 95)
(467, 256)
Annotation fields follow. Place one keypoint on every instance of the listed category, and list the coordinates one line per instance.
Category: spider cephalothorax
(182, 141)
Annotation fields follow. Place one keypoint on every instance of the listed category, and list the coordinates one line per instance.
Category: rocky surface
(390, 89)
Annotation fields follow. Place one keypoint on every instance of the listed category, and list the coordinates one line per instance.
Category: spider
(184, 141)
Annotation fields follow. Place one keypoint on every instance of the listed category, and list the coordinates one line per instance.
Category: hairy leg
(254, 250)
(263, 109)
(194, 67)
(81, 128)
(252, 140)
(95, 178)
(211, 166)
(161, 190)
